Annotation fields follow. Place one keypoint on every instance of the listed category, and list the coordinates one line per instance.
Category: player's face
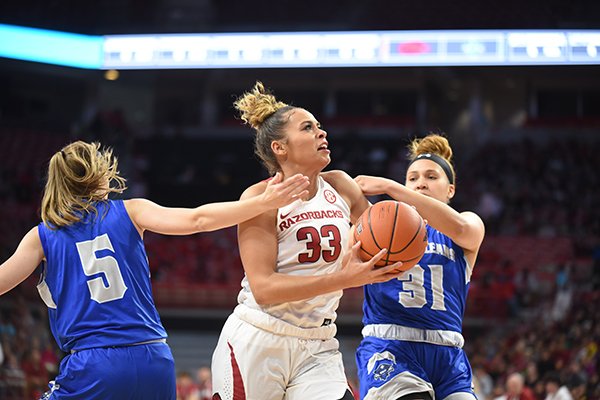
(306, 143)
(428, 178)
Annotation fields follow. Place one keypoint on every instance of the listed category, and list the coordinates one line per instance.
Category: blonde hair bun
(257, 105)
(433, 144)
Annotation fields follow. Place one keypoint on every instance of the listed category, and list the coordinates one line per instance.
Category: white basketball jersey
(312, 238)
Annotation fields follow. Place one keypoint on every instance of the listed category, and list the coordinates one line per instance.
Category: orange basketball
(395, 226)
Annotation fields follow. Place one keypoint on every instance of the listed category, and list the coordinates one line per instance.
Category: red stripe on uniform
(239, 393)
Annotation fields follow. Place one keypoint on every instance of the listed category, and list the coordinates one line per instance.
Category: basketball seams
(371, 229)
(381, 262)
(387, 256)
(411, 240)
(383, 228)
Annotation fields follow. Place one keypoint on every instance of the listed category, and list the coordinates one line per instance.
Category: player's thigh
(390, 370)
(156, 371)
(461, 396)
(250, 361)
(455, 378)
(94, 374)
(132, 372)
(319, 371)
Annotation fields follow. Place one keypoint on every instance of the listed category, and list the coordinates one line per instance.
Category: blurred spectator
(204, 380)
(533, 379)
(490, 205)
(485, 384)
(562, 276)
(515, 389)
(13, 378)
(555, 390)
(36, 375)
(527, 286)
(562, 304)
(186, 387)
(545, 363)
(50, 358)
(7, 329)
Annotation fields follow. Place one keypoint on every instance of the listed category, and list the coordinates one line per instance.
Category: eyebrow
(310, 121)
(426, 171)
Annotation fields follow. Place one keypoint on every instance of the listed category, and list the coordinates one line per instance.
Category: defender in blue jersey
(96, 279)
(412, 341)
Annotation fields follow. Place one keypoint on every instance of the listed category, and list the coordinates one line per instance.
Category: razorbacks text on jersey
(312, 237)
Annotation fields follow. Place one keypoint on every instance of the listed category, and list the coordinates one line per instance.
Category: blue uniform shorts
(145, 371)
(446, 368)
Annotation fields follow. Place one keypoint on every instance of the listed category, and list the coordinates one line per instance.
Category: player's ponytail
(263, 112)
(79, 175)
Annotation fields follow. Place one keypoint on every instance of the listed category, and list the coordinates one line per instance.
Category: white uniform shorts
(254, 364)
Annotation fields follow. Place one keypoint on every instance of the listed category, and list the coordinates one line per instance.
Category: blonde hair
(79, 175)
(268, 117)
(432, 144)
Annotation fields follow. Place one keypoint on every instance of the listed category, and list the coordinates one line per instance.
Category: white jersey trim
(468, 270)
(46, 295)
(277, 326)
(398, 332)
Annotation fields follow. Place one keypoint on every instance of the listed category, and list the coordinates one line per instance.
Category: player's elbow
(203, 223)
(199, 224)
(460, 228)
(262, 295)
(261, 300)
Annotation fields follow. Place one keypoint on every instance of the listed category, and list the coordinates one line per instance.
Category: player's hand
(362, 273)
(371, 185)
(281, 193)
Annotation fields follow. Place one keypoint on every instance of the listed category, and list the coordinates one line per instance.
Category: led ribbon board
(305, 49)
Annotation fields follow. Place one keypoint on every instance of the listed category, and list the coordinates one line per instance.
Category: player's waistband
(126, 345)
(399, 332)
(277, 326)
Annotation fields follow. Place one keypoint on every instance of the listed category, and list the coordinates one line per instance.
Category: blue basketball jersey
(96, 282)
(431, 295)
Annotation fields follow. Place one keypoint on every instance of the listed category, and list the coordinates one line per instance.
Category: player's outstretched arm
(28, 255)
(148, 215)
(466, 228)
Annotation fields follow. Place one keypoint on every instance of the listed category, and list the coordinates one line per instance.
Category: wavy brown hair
(433, 144)
(79, 175)
(262, 111)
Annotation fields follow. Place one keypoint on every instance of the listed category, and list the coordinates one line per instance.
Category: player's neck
(313, 188)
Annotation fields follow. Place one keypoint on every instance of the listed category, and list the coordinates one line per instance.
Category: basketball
(395, 226)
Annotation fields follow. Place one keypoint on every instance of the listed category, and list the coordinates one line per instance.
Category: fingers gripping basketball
(395, 226)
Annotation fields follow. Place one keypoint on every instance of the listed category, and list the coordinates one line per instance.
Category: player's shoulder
(341, 181)
(255, 189)
(336, 178)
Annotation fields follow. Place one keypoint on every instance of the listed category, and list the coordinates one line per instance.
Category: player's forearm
(439, 215)
(214, 216)
(279, 288)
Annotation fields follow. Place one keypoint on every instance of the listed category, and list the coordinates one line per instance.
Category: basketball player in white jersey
(279, 342)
